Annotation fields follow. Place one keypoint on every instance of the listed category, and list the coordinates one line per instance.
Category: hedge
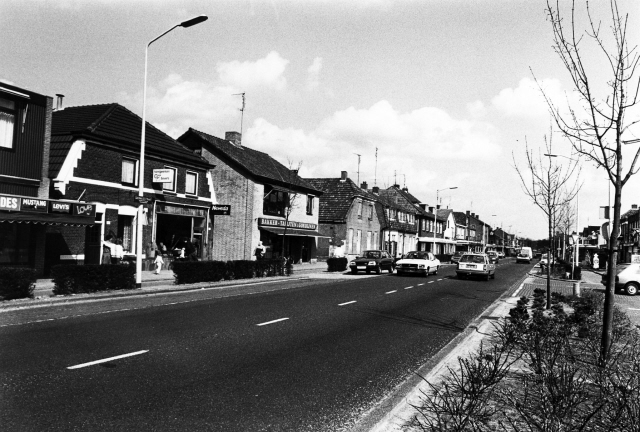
(88, 278)
(17, 282)
(337, 264)
(187, 272)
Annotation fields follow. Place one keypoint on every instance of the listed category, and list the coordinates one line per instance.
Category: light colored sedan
(476, 264)
(420, 262)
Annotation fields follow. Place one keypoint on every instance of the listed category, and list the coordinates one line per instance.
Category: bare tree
(566, 220)
(596, 124)
(550, 186)
(292, 200)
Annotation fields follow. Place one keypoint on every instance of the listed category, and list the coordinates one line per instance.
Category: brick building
(25, 210)
(95, 156)
(348, 217)
(269, 202)
(400, 228)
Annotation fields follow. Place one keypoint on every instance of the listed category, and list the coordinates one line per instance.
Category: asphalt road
(312, 357)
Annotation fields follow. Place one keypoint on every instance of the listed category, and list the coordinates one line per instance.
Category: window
(309, 204)
(129, 172)
(7, 122)
(171, 186)
(359, 209)
(370, 211)
(350, 241)
(191, 184)
(359, 242)
(368, 239)
(274, 202)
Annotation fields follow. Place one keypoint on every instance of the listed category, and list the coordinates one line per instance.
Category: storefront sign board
(34, 205)
(290, 224)
(221, 209)
(163, 176)
(60, 207)
(84, 209)
(9, 203)
(182, 211)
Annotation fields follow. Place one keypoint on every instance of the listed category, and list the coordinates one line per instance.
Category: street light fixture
(140, 198)
(435, 212)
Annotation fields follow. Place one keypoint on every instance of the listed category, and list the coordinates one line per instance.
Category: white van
(524, 255)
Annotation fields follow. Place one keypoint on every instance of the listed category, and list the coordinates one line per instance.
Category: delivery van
(524, 255)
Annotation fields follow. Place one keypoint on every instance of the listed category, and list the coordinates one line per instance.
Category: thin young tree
(291, 202)
(598, 124)
(550, 186)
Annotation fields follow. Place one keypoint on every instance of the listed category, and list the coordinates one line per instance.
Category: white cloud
(527, 100)
(265, 72)
(313, 74)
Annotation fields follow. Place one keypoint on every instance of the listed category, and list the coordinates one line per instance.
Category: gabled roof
(337, 197)
(251, 162)
(116, 125)
(460, 217)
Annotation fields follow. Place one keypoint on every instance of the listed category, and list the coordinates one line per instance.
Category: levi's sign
(163, 176)
(60, 207)
(221, 209)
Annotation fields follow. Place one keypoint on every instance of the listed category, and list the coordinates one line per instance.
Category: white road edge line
(349, 302)
(272, 322)
(107, 359)
(633, 309)
(515, 293)
(391, 292)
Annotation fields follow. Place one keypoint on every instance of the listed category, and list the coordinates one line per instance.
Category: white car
(421, 262)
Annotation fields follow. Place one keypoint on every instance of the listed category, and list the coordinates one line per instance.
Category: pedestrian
(162, 249)
(158, 262)
(190, 250)
(596, 261)
(107, 250)
(259, 253)
(118, 252)
(151, 254)
(587, 259)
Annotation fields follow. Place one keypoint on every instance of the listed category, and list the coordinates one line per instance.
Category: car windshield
(472, 259)
(417, 255)
(372, 254)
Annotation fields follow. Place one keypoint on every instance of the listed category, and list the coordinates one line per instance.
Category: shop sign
(34, 205)
(60, 207)
(181, 211)
(163, 175)
(221, 209)
(84, 209)
(9, 203)
(291, 224)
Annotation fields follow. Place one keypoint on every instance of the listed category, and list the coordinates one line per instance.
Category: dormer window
(7, 122)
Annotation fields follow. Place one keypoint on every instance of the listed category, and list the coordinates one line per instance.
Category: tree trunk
(549, 258)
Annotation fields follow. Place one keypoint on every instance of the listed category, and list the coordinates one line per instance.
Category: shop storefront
(174, 224)
(23, 222)
(299, 239)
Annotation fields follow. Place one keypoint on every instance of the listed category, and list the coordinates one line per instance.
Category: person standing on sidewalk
(151, 254)
(158, 262)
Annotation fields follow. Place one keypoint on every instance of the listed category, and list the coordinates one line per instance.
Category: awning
(294, 232)
(46, 219)
(437, 240)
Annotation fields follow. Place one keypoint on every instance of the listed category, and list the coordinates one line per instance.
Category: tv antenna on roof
(358, 167)
(375, 175)
(241, 109)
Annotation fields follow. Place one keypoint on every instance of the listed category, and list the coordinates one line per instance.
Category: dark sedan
(372, 260)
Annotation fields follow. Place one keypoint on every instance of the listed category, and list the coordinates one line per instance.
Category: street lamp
(435, 212)
(141, 199)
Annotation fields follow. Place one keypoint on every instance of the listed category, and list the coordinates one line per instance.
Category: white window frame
(175, 180)
(195, 184)
(9, 110)
(310, 204)
(136, 175)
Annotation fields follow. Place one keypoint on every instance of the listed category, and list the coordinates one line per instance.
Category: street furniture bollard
(576, 288)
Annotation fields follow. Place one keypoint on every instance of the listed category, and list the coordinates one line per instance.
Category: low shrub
(187, 272)
(76, 279)
(335, 264)
(16, 282)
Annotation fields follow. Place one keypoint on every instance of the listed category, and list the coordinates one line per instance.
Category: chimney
(430, 209)
(59, 101)
(397, 186)
(634, 206)
(473, 215)
(376, 190)
(423, 206)
(438, 207)
(295, 171)
(468, 213)
(405, 189)
(364, 185)
(234, 137)
(343, 176)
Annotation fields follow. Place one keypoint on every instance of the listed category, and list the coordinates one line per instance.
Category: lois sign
(163, 175)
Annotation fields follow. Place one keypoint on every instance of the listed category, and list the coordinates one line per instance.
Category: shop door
(93, 244)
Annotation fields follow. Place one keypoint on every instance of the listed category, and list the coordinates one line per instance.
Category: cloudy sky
(445, 90)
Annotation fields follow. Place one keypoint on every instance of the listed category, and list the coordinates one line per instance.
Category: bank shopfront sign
(279, 223)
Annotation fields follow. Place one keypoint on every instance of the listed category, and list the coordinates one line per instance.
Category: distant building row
(69, 179)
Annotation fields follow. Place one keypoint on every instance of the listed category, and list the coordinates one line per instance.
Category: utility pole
(241, 110)
(375, 174)
(358, 168)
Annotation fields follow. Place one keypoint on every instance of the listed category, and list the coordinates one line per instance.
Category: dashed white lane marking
(420, 284)
(391, 292)
(431, 281)
(272, 322)
(409, 287)
(107, 359)
(633, 309)
(346, 303)
(439, 280)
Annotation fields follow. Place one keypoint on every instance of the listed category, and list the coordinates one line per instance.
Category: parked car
(372, 260)
(627, 278)
(476, 264)
(544, 260)
(456, 256)
(500, 254)
(420, 262)
(494, 257)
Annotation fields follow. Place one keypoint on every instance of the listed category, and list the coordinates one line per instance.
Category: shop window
(125, 232)
(309, 204)
(15, 240)
(275, 202)
(171, 186)
(191, 184)
(7, 122)
(129, 172)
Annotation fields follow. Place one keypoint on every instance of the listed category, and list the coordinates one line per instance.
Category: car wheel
(378, 270)
(392, 268)
(435, 272)
(493, 276)
(631, 289)
(426, 272)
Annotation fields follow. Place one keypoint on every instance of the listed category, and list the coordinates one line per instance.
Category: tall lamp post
(141, 199)
(435, 221)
